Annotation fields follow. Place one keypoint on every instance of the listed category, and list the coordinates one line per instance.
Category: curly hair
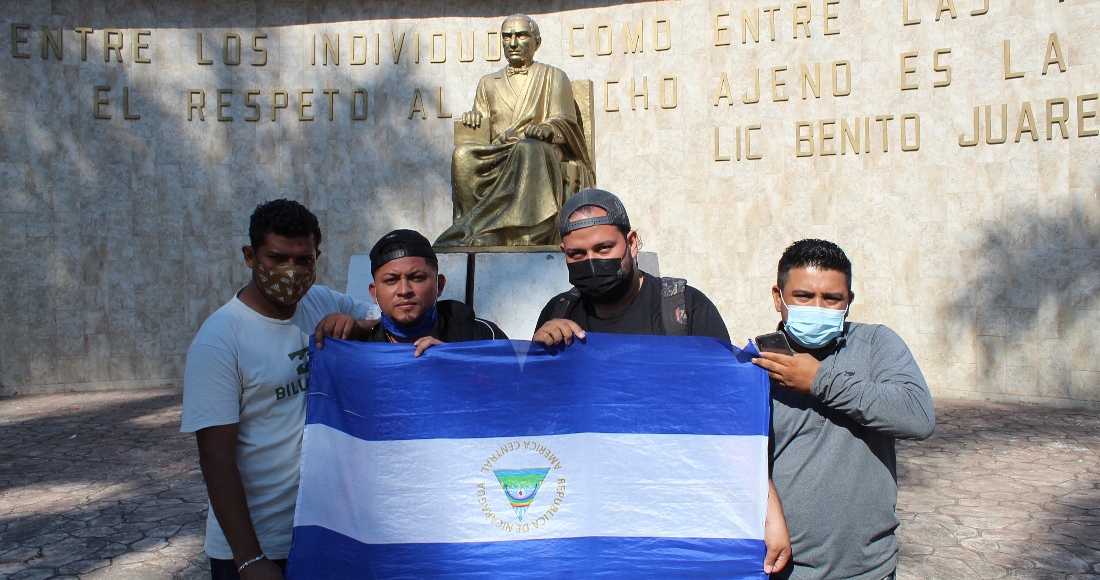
(282, 217)
(816, 254)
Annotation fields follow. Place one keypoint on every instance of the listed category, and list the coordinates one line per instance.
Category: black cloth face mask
(601, 280)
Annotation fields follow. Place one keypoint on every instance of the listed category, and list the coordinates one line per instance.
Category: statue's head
(520, 38)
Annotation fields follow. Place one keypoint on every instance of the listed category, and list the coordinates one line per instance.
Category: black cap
(400, 244)
(616, 213)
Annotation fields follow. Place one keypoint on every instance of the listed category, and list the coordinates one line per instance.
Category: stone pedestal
(509, 288)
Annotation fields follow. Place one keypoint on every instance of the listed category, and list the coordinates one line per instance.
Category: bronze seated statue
(522, 151)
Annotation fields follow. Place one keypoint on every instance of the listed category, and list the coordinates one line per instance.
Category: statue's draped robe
(509, 191)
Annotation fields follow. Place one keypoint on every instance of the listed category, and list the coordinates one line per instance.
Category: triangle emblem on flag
(520, 486)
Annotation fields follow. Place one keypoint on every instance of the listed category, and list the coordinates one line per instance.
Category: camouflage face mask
(285, 284)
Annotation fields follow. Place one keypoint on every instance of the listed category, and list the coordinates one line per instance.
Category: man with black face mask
(610, 294)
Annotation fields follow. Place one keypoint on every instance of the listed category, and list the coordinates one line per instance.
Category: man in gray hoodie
(838, 404)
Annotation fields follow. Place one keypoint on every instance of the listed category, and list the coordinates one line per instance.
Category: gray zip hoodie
(833, 458)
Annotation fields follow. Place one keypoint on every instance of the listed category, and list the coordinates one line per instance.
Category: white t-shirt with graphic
(248, 369)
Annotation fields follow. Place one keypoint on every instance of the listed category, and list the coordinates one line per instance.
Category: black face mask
(602, 280)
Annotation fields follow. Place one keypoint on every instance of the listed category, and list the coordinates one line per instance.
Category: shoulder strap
(674, 312)
(565, 302)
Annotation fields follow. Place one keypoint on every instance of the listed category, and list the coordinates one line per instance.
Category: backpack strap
(565, 303)
(674, 312)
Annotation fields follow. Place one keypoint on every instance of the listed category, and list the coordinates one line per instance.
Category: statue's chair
(582, 98)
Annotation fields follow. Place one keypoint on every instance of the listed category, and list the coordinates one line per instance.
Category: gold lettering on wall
(110, 46)
(756, 88)
(572, 47)
(847, 78)
(440, 113)
(355, 100)
(946, 6)
(907, 70)
(905, 146)
(256, 38)
(1082, 115)
(1054, 54)
(668, 103)
(1008, 63)
(137, 46)
(199, 106)
(643, 93)
(632, 42)
(799, 20)
(304, 104)
(251, 104)
(223, 104)
(276, 105)
(989, 138)
(905, 19)
(99, 102)
(941, 68)
(777, 83)
(717, 147)
(53, 39)
(491, 45)
(127, 114)
(417, 105)
(719, 29)
(397, 46)
(830, 16)
(1025, 125)
(441, 56)
(198, 45)
(748, 143)
(1059, 119)
(723, 91)
(658, 24)
(83, 32)
(606, 98)
(17, 39)
(963, 141)
(331, 94)
(235, 59)
(600, 30)
(461, 48)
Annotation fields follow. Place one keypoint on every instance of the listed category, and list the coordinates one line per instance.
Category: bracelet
(252, 561)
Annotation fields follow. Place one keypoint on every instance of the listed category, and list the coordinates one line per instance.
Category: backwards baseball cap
(605, 200)
(399, 244)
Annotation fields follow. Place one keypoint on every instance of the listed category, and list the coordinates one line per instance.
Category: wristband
(252, 561)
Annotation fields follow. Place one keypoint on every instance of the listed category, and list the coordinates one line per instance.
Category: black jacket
(457, 323)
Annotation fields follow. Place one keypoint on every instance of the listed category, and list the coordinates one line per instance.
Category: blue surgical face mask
(814, 327)
(422, 328)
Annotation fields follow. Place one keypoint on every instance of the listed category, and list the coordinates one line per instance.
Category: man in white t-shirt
(245, 387)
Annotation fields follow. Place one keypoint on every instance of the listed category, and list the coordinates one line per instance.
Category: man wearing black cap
(610, 294)
(407, 285)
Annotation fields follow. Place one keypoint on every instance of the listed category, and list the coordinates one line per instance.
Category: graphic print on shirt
(300, 385)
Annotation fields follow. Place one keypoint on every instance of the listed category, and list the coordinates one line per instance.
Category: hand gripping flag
(620, 457)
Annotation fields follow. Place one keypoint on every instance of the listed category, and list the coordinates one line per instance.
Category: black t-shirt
(457, 323)
(643, 316)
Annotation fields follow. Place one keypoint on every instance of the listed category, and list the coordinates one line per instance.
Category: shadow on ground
(99, 484)
(1001, 491)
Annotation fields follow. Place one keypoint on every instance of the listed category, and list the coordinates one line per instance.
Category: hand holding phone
(773, 342)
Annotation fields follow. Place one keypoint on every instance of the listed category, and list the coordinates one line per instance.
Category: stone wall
(121, 235)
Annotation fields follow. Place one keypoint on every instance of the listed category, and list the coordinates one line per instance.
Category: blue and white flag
(620, 457)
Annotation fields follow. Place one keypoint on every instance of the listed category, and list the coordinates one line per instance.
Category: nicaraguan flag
(623, 457)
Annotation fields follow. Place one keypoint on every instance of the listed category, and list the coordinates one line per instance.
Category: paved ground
(103, 485)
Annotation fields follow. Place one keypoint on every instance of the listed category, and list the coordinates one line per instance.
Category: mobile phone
(773, 342)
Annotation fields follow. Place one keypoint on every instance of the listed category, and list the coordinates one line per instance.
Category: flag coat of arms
(620, 457)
